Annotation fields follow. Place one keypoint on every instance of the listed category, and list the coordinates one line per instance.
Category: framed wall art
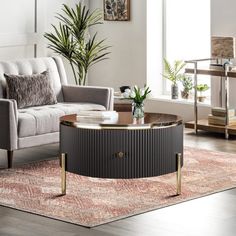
(116, 10)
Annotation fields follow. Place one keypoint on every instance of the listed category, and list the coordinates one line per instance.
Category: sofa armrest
(98, 95)
(8, 124)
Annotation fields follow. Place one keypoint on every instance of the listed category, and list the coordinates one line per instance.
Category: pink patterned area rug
(89, 202)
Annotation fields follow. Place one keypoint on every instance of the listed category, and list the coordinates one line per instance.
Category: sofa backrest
(53, 65)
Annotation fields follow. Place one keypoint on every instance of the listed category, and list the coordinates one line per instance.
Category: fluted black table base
(122, 153)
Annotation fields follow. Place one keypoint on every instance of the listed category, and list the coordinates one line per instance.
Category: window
(176, 30)
(186, 31)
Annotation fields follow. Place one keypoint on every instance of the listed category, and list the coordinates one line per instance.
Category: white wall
(127, 63)
(17, 28)
(17, 24)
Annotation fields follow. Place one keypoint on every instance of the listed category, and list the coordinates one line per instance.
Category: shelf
(226, 74)
(231, 74)
(205, 72)
(203, 125)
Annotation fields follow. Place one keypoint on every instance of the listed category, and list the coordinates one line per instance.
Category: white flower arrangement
(138, 95)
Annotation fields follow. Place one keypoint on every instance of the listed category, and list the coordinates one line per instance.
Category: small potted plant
(187, 84)
(202, 88)
(173, 73)
(137, 95)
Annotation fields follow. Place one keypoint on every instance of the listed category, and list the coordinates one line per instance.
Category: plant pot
(184, 94)
(174, 91)
(201, 98)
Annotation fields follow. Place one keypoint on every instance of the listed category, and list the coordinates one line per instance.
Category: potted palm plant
(71, 39)
(173, 73)
(187, 84)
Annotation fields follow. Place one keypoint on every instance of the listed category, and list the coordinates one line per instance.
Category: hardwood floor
(211, 215)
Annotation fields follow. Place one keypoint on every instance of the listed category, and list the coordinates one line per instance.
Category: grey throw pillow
(30, 90)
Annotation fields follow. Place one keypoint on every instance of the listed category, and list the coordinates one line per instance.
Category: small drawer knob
(120, 154)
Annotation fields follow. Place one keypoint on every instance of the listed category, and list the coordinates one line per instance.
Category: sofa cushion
(30, 90)
(45, 119)
(53, 65)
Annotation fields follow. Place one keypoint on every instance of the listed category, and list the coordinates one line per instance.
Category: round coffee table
(122, 147)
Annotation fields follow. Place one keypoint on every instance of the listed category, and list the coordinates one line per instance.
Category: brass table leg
(63, 173)
(179, 158)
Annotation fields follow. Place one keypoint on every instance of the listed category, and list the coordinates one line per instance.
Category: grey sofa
(33, 126)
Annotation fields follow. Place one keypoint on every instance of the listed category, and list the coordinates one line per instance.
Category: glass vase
(138, 110)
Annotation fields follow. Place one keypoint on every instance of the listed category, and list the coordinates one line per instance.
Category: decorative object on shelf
(223, 47)
(137, 95)
(116, 10)
(123, 88)
(187, 83)
(173, 73)
(71, 39)
(202, 88)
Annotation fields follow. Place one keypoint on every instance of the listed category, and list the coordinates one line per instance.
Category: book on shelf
(219, 120)
(220, 111)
